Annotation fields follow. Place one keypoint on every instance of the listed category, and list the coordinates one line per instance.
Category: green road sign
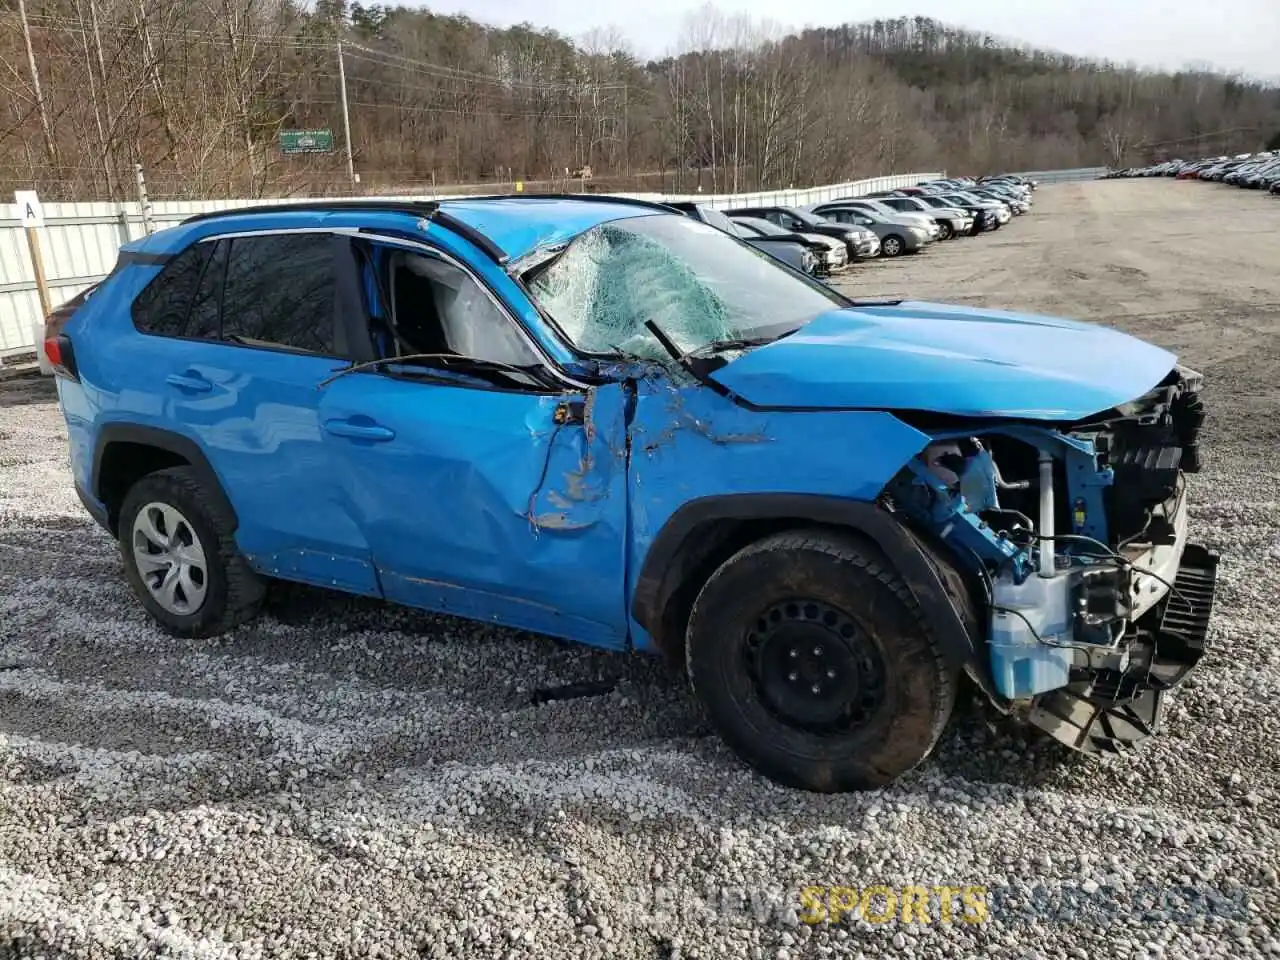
(306, 141)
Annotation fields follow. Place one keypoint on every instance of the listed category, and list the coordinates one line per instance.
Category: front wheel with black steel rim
(177, 542)
(891, 245)
(815, 663)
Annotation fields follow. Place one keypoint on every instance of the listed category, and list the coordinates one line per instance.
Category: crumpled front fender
(697, 458)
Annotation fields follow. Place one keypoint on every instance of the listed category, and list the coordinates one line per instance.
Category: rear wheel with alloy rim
(815, 663)
(177, 540)
(170, 558)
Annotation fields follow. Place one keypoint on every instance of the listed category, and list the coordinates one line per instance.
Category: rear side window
(164, 305)
(274, 291)
(203, 319)
(279, 291)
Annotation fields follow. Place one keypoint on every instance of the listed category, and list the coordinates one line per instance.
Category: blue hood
(949, 359)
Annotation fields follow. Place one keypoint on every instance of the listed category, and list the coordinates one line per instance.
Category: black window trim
(219, 340)
(204, 270)
(569, 384)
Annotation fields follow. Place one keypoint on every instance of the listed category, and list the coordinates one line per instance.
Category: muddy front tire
(815, 664)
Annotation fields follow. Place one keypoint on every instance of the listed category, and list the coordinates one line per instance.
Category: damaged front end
(1076, 537)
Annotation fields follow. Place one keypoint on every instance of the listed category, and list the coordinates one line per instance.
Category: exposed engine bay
(1075, 539)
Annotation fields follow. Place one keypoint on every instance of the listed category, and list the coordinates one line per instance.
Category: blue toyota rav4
(605, 421)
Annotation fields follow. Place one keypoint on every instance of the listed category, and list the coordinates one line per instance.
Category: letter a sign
(29, 209)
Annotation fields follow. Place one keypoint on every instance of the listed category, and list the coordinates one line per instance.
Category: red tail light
(61, 357)
(57, 345)
(53, 352)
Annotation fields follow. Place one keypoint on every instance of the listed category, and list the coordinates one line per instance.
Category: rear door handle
(359, 431)
(191, 382)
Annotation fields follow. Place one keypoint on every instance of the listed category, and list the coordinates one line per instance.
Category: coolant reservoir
(1022, 665)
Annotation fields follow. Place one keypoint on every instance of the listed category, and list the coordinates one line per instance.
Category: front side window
(279, 292)
(697, 283)
(438, 308)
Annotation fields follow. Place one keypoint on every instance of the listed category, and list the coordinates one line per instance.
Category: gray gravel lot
(347, 779)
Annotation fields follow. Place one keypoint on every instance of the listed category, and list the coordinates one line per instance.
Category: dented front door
(503, 506)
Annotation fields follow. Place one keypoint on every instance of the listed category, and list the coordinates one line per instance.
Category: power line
(409, 63)
(299, 42)
(70, 25)
(507, 114)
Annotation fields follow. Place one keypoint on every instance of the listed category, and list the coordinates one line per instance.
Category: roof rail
(417, 208)
(430, 209)
(587, 197)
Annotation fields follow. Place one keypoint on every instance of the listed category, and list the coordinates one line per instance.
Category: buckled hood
(949, 359)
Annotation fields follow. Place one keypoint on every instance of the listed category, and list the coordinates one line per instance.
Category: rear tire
(892, 245)
(181, 559)
(815, 664)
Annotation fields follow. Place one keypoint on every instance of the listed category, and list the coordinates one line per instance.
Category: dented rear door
(503, 506)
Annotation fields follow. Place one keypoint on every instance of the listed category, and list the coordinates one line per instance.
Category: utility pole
(49, 147)
(626, 132)
(108, 149)
(346, 116)
(144, 201)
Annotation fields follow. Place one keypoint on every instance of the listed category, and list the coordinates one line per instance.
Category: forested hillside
(197, 92)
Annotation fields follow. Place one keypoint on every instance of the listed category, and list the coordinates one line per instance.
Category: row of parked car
(1254, 171)
(825, 239)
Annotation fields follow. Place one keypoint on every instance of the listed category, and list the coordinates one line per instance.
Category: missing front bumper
(1109, 711)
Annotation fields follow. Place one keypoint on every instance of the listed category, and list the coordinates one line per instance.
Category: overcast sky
(1234, 35)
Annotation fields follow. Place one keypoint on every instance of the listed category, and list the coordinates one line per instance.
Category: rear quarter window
(163, 307)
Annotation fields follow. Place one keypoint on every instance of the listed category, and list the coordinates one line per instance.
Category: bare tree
(198, 90)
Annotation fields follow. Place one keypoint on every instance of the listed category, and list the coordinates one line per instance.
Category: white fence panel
(80, 241)
(1074, 175)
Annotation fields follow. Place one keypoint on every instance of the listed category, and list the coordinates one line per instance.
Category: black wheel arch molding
(169, 441)
(936, 582)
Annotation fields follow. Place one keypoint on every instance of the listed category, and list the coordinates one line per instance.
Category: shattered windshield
(698, 284)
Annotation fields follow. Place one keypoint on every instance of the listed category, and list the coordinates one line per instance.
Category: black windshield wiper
(737, 343)
(447, 361)
(697, 367)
